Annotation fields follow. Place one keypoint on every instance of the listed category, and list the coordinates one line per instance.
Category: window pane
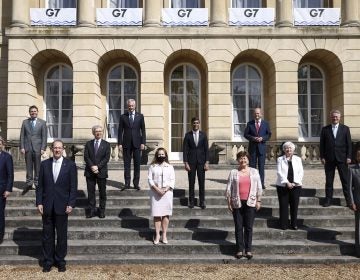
(191, 73)
(192, 102)
(302, 99)
(67, 102)
(177, 101)
(130, 88)
(115, 73)
(66, 117)
(123, 3)
(316, 115)
(66, 72)
(53, 73)
(52, 89)
(302, 73)
(67, 88)
(315, 73)
(115, 102)
(239, 102)
(52, 102)
(239, 87)
(316, 101)
(176, 144)
(114, 88)
(192, 87)
(114, 116)
(129, 73)
(302, 87)
(177, 87)
(316, 87)
(240, 73)
(254, 102)
(185, 4)
(315, 130)
(113, 130)
(178, 73)
(52, 131)
(253, 73)
(239, 129)
(177, 116)
(54, 4)
(66, 130)
(239, 116)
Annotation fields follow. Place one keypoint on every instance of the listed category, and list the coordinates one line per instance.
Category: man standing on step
(335, 152)
(96, 156)
(354, 190)
(55, 200)
(258, 131)
(131, 140)
(33, 138)
(196, 160)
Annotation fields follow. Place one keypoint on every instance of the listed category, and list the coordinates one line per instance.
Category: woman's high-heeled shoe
(156, 241)
(239, 255)
(248, 255)
(165, 241)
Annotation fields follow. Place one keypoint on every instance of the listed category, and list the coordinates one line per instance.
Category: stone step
(226, 233)
(183, 221)
(187, 247)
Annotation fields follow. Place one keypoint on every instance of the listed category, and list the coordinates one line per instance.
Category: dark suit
(131, 136)
(335, 151)
(6, 183)
(100, 159)
(354, 191)
(33, 140)
(55, 197)
(257, 150)
(196, 157)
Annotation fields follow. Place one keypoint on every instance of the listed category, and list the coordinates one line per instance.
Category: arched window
(59, 102)
(185, 4)
(311, 102)
(122, 84)
(247, 95)
(58, 4)
(123, 3)
(246, 3)
(185, 104)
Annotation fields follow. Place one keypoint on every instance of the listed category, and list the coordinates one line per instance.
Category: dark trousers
(2, 216)
(91, 184)
(200, 171)
(54, 254)
(357, 232)
(32, 161)
(288, 196)
(128, 153)
(244, 220)
(257, 160)
(343, 170)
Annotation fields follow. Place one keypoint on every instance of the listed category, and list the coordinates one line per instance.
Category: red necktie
(257, 127)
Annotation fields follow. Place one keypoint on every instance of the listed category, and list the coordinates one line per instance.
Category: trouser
(257, 160)
(288, 196)
(244, 220)
(2, 216)
(91, 184)
(200, 171)
(357, 232)
(343, 170)
(135, 153)
(32, 161)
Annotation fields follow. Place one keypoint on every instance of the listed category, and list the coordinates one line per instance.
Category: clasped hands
(94, 169)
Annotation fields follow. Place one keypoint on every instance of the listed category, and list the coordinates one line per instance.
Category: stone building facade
(81, 75)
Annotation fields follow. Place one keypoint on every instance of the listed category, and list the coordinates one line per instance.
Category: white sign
(317, 16)
(119, 16)
(65, 16)
(251, 16)
(185, 16)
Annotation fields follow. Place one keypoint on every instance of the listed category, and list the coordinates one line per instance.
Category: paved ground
(215, 179)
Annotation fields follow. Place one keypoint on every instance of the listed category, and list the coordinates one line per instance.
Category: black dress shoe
(283, 227)
(46, 269)
(102, 214)
(202, 205)
(191, 205)
(327, 202)
(239, 255)
(294, 227)
(137, 188)
(90, 214)
(62, 268)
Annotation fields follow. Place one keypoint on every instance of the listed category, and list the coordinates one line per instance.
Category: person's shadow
(28, 241)
(130, 221)
(207, 235)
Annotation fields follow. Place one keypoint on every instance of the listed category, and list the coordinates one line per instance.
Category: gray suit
(33, 140)
(354, 190)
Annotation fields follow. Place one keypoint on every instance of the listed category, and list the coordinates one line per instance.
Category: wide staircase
(325, 235)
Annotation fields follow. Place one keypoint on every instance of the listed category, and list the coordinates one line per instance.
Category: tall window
(311, 102)
(122, 85)
(124, 3)
(59, 102)
(246, 3)
(185, 103)
(310, 3)
(185, 3)
(247, 95)
(55, 4)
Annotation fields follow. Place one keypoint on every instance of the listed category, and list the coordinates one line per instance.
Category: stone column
(152, 12)
(86, 13)
(218, 13)
(284, 13)
(350, 13)
(20, 13)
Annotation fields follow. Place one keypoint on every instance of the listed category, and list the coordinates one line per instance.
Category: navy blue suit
(55, 197)
(196, 157)
(257, 150)
(131, 136)
(6, 183)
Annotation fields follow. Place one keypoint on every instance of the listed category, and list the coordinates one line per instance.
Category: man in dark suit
(55, 200)
(354, 191)
(196, 160)
(335, 152)
(131, 140)
(33, 139)
(258, 131)
(96, 156)
(6, 183)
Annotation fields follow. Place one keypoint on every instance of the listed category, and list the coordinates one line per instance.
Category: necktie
(55, 170)
(131, 119)
(96, 147)
(196, 138)
(334, 129)
(33, 124)
(257, 127)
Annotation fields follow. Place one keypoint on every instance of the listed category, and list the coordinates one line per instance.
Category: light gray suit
(33, 140)
(354, 190)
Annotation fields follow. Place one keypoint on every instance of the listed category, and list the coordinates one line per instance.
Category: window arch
(59, 102)
(122, 84)
(311, 101)
(58, 4)
(247, 94)
(185, 103)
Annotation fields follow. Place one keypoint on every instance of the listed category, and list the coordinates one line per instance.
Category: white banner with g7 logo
(119, 16)
(251, 16)
(185, 16)
(58, 17)
(316, 16)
